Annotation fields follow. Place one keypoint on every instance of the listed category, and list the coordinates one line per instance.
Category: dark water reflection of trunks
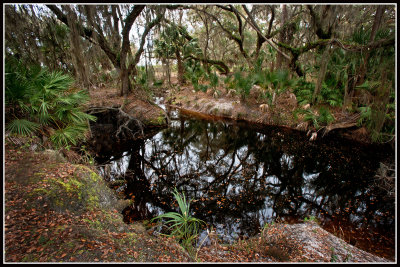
(239, 177)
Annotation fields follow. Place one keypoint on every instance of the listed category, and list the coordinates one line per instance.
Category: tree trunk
(168, 72)
(77, 54)
(321, 76)
(125, 49)
(206, 45)
(115, 36)
(181, 68)
(346, 99)
(280, 60)
(125, 82)
(377, 21)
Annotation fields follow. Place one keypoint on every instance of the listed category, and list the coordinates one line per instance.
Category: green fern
(303, 91)
(213, 78)
(325, 117)
(365, 115)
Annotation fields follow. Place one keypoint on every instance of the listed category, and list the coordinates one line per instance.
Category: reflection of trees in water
(241, 177)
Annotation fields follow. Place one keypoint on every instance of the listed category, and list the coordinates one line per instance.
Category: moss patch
(78, 189)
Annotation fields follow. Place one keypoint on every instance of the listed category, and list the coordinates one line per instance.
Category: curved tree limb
(86, 33)
(143, 39)
(212, 62)
(253, 23)
(231, 36)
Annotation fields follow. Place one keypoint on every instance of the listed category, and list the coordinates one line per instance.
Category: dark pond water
(240, 177)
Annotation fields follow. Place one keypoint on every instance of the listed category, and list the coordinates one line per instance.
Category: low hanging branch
(296, 52)
(224, 68)
(222, 65)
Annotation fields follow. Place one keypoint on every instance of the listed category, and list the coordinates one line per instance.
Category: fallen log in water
(348, 122)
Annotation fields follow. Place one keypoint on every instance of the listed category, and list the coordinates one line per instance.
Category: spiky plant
(242, 83)
(181, 225)
(323, 118)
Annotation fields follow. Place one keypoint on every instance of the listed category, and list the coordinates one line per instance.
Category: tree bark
(377, 22)
(118, 62)
(181, 68)
(205, 21)
(221, 64)
(116, 36)
(321, 76)
(77, 54)
(130, 19)
(282, 38)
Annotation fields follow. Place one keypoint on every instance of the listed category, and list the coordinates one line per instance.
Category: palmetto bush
(323, 118)
(40, 101)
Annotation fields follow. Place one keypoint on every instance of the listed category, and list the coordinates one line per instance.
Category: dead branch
(348, 123)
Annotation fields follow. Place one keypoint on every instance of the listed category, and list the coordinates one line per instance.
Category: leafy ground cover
(48, 217)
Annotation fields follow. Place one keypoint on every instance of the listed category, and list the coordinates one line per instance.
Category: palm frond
(71, 134)
(22, 126)
(58, 81)
(73, 115)
(73, 99)
(181, 225)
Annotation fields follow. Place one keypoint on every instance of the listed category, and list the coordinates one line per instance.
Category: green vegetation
(182, 225)
(345, 65)
(43, 103)
(318, 119)
(311, 219)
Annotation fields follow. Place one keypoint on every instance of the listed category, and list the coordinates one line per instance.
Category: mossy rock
(82, 191)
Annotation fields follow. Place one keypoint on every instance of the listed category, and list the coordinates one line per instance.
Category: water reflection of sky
(240, 178)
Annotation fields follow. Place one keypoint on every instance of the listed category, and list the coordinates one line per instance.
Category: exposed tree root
(126, 125)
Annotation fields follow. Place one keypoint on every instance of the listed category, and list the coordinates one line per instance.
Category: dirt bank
(226, 105)
(255, 109)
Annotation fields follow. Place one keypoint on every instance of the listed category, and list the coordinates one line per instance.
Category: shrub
(324, 117)
(303, 91)
(38, 100)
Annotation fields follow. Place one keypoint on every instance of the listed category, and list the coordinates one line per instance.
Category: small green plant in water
(181, 225)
